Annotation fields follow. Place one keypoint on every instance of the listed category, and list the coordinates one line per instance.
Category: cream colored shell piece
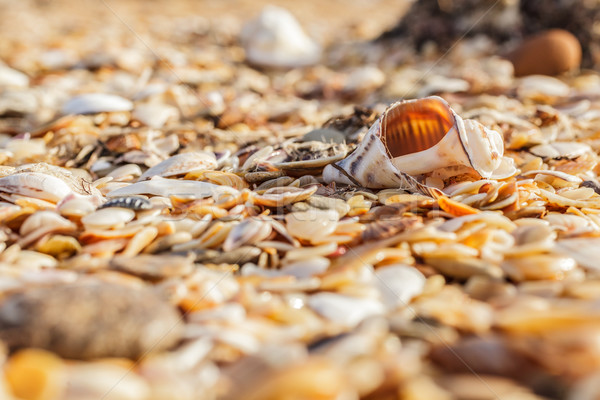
(182, 164)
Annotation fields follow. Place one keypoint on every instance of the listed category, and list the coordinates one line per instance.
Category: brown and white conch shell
(414, 137)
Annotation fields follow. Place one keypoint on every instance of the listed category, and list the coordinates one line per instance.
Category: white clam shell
(181, 164)
(26, 148)
(44, 219)
(365, 78)
(93, 103)
(154, 115)
(125, 171)
(541, 86)
(560, 149)
(276, 39)
(76, 207)
(415, 137)
(36, 185)
(506, 169)
(12, 77)
(307, 268)
(249, 231)
(312, 224)
(345, 310)
(586, 251)
(399, 284)
(167, 187)
(108, 218)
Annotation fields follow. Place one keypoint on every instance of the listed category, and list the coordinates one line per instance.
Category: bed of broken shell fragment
(164, 245)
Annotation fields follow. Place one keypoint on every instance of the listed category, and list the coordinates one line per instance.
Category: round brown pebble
(551, 52)
(89, 321)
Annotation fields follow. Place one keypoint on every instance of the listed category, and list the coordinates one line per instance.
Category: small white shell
(36, 185)
(44, 219)
(125, 171)
(560, 149)
(586, 251)
(26, 148)
(76, 207)
(276, 39)
(154, 115)
(364, 78)
(557, 174)
(344, 310)
(107, 218)
(312, 224)
(181, 164)
(93, 103)
(399, 284)
(542, 87)
(307, 268)
(12, 77)
(249, 231)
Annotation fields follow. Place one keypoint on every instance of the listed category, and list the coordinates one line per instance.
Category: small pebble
(549, 53)
(89, 321)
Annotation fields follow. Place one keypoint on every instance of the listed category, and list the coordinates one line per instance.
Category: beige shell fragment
(182, 164)
(108, 218)
(415, 137)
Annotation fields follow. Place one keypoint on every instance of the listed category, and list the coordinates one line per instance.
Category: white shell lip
(483, 146)
(429, 124)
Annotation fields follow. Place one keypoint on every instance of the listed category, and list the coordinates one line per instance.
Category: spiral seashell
(415, 137)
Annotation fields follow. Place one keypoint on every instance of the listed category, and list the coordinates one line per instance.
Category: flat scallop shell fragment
(182, 164)
(415, 137)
